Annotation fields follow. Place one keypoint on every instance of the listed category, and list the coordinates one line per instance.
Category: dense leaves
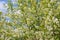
(31, 20)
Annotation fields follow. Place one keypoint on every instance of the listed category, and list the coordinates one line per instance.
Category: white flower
(20, 4)
(52, 0)
(50, 12)
(49, 5)
(36, 32)
(14, 35)
(14, 1)
(27, 19)
(58, 2)
(6, 6)
(16, 30)
(18, 12)
(55, 20)
(37, 27)
(49, 28)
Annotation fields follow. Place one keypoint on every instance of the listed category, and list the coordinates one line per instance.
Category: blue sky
(2, 2)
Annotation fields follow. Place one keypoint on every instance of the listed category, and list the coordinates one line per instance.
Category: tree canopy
(31, 20)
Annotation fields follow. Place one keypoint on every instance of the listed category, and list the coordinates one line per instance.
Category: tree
(31, 20)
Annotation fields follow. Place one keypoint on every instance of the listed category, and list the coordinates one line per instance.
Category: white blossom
(16, 30)
(49, 5)
(18, 12)
(20, 4)
(55, 20)
(6, 5)
(52, 0)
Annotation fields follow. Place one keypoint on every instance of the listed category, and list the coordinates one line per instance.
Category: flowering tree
(31, 20)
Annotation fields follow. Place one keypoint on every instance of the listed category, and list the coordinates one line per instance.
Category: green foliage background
(31, 20)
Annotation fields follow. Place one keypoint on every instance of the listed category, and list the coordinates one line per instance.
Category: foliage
(31, 20)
